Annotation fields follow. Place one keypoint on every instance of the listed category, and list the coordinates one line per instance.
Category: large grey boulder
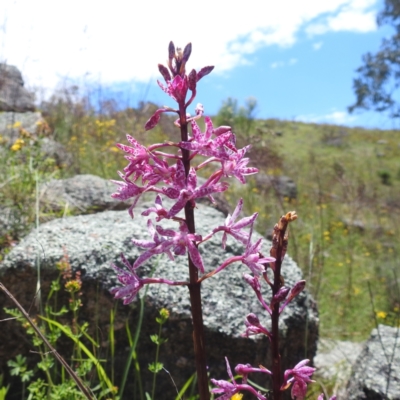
(376, 373)
(93, 242)
(83, 194)
(13, 95)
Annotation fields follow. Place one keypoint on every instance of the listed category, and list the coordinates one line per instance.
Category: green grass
(346, 234)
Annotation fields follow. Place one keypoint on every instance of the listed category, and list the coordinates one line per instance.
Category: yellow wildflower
(17, 145)
(73, 286)
(356, 291)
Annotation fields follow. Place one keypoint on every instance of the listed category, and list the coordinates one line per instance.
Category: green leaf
(55, 286)
(26, 376)
(18, 366)
(155, 339)
(13, 312)
(3, 392)
(37, 390)
(185, 387)
(37, 341)
(156, 367)
(46, 364)
(84, 367)
(63, 311)
(53, 336)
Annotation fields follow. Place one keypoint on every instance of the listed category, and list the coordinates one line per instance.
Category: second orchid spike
(280, 237)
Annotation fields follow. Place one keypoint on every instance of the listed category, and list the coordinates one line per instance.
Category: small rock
(282, 185)
(13, 95)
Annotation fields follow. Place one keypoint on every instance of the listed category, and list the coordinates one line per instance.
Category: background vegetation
(348, 200)
(348, 194)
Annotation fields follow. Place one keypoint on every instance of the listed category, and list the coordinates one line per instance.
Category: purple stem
(194, 285)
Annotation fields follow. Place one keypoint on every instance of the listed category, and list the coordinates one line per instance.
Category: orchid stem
(195, 285)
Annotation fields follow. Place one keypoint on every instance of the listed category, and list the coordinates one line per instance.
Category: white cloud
(124, 41)
(277, 64)
(317, 45)
(280, 64)
(356, 16)
(334, 117)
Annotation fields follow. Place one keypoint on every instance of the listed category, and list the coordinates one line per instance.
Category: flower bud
(199, 110)
(204, 71)
(253, 282)
(296, 289)
(171, 51)
(186, 52)
(192, 80)
(164, 72)
(153, 120)
(280, 296)
(252, 319)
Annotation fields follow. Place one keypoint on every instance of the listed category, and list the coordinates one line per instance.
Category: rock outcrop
(13, 95)
(94, 242)
(376, 373)
(83, 194)
(334, 361)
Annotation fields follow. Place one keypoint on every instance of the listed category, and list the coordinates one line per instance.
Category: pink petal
(237, 210)
(195, 256)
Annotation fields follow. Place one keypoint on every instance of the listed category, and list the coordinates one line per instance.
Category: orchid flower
(230, 388)
(298, 377)
(235, 229)
(185, 189)
(236, 165)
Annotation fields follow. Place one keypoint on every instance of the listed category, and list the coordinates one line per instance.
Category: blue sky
(297, 58)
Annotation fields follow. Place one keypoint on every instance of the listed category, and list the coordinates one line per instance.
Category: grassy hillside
(346, 238)
(348, 202)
